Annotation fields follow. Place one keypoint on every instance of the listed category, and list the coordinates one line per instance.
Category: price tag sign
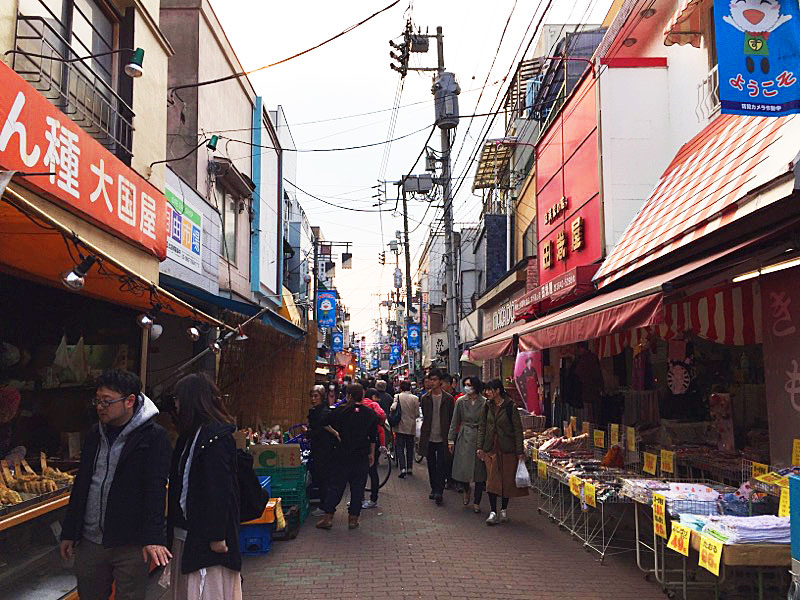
(630, 439)
(541, 468)
(614, 434)
(783, 482)
(650, 463)
(534, 454)
(589, 494)
(771, 478)
(575, 485)
(667, 461)
(759, 469)
(783, 507)
(573, 422)
(599, 438)
(585, 427)
(568, 431)
(660, 515)
(679, 538)
(796, 452)
(710, 554)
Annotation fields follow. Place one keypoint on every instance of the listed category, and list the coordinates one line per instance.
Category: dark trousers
(479, 487)
(97, 567)
(405, 451)
(437, 466)
(321, 465)
(373, 478)
(352, 473)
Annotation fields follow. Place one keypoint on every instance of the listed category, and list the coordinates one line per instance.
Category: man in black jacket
(115, 523)
(437, 411)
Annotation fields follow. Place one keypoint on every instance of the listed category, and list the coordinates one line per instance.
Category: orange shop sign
(85, 177)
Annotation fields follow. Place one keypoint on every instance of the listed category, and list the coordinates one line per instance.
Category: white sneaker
(317, 512)
(492, 519)
(504, 516)
(368, 504)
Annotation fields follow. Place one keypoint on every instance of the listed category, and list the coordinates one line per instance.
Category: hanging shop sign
(397, 350)
(185, 231)
(337, 341)
(414, 337)
(758, 51)
(326, 309)
(502, 316)
(84, 177)
(575, 282)
(375, 363)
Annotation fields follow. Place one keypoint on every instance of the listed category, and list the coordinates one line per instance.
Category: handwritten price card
(667, 461)
(660, 515)
(575, 485)
(771, 478)
(630, 439)
(599, 438)
(679, 539)
(534, 454)
(541, 468)
(585, 427)
(589, 494)
(573, 422)
(614, 434)
(759, 469)
(783, 507)
(650, 462)
(796, 452)
(710, 554)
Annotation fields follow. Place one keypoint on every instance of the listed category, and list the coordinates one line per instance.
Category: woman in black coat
(203, 515)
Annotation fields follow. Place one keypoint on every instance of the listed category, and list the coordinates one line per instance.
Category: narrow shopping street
(410, 548)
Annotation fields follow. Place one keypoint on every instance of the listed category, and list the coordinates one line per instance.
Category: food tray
(31, 500)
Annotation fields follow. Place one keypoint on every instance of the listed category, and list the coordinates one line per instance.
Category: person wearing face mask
(463, 441)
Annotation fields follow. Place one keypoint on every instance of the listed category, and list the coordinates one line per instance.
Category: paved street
(410, 548)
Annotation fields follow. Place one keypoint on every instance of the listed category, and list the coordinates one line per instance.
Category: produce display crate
(284, 478)
(255, 539)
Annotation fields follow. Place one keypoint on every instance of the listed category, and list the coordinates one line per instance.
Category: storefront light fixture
(193, 333)
(155, 331)
(134, 67)
(75, 278)
(215, 347)
(779, 266)
(212, 143)
(144, 321)
(241, 336)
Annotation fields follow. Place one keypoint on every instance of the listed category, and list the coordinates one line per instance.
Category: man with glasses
(115, 524)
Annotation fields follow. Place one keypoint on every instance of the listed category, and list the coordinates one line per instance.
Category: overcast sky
(350, 76)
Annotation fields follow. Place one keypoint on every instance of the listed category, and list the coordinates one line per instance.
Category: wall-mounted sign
(414, 337)
(337, 341)
(84, 177)
(555, 210)
(185, 230)
(326, 309)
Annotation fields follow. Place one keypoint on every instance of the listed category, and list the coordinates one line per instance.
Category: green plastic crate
(284, 477)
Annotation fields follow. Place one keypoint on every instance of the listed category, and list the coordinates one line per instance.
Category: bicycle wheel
(384, 470)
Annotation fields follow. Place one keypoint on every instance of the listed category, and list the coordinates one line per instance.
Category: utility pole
(412, 353)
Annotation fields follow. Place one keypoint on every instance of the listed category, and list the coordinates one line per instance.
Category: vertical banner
(326, 309)
(397, 350)
(526, 378)
(780, 301)
(414, 337)
(337, 342)
(375, 363)
(758, 50)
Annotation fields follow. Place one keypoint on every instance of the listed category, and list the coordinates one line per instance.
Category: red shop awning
(498, 345)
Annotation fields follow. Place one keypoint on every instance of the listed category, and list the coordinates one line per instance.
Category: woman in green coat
(500, 448)
(463, 440)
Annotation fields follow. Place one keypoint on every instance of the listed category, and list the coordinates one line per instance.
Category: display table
(751, 555)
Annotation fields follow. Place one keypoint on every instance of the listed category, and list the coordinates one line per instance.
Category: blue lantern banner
(414, 335)
(375, 363)
(337, 343)
(326, 309)
(758, 50)
(397, 350)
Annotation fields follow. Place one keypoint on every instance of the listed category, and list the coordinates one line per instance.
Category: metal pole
(314, 277)
(450, 263)
(412, 353)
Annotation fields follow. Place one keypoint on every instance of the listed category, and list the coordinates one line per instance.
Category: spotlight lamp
(193, 333)
(241, 336)
(212, 143)
(155, 331)
(215, 347)
(75, 278)
(134, 67)
(144, 321)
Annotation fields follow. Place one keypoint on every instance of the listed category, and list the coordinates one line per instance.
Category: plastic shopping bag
(523, 478)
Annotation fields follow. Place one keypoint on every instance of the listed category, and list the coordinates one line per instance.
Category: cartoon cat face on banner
(758, 49)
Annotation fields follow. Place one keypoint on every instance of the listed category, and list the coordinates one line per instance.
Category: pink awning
(685, 27)
(498, 345)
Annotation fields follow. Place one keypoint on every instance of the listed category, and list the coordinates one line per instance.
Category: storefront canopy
(497, 345)
(685, 27)
(732, 168)
(35, 245)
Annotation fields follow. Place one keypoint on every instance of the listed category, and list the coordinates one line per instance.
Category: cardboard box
(275, 455)
(240, 438)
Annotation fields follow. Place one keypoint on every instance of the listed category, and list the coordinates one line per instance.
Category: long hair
(497, 385)
(199, 403)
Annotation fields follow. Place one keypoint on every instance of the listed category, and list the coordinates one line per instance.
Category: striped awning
(717, 178)
(729, 315)
(685, 26)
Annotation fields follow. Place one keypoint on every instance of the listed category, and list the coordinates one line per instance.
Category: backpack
(252, 497)
(395, 414)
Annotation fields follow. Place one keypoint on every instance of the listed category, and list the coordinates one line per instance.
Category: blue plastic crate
(255, 539)
(266, 484)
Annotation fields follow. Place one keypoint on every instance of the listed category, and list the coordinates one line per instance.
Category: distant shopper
(437, 411)
(463, 441)
(354, 455)
(371, 400)
(115, 522)
(447, 387)
(500, 447)
(384, 397)
(332, 393)
(323, 438)
(406, 430)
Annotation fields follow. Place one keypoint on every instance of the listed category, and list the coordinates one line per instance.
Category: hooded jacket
(119, 493)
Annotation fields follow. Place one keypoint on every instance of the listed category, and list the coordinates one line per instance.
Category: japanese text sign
(589, 494)
(660, 515)
(585, 427)
(337, 341)
(679, 538)
(414, 337)
(758, 48)
(542, 469)
(630, 439)
(710, 554)
(650, 463)
(184, 231)
(759, 469)
(796, 452)
(326, 309)
(614, 434)
(783, 506)
(599, 438)
(575, 484)
(667, 461)
(85, 177)
(534, 454)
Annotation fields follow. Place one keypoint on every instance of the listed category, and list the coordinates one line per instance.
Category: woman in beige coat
(500, 448)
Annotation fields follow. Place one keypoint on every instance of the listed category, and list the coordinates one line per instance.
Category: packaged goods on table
(565, 445)
(763, 529)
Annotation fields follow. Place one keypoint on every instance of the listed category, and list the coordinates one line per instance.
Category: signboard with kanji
(84, 178)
